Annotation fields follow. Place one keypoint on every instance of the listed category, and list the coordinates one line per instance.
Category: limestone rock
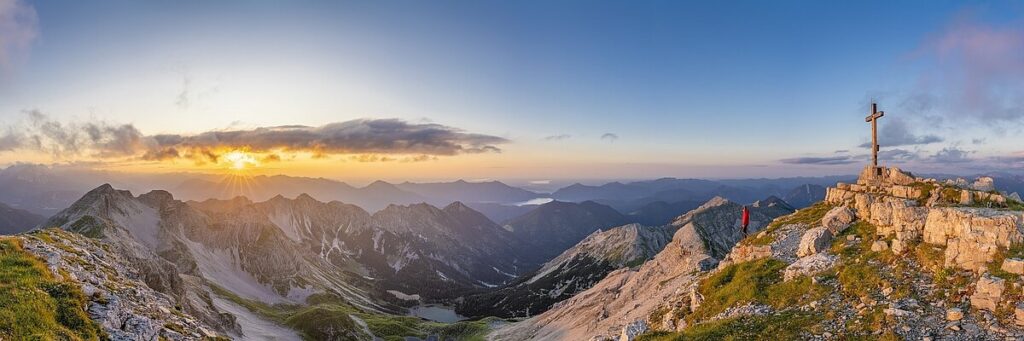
(695, 299)
(879, 246)
(1013, 265)
(987, 292)
(984, 184)
(1018, 314)
(972, 235)
(814, 240)
(838, 219)
(954, 314)
(966, 198)
(630, 331)
(809, 265)
(898, 246)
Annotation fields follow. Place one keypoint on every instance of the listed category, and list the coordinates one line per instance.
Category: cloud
(182, 100)
(972, 72)
(842, 151)
(364, 136)
(897, 155)
(371, 139)
(978, 141)
(950, 155)
(19, 27)
(830, 160)
(99, 139)
(611, 137)
(557, 137)
(895, 133)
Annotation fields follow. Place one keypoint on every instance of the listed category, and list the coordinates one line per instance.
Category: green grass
(859, 269)
(995, 266)
(325, 314)
(88, 226)
(758, 281)
(810, 216)
(36, 306)
(782, 326)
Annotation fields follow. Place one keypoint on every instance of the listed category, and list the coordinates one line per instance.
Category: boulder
(838, 219)
(814, 240)
(879, 246)
(809, 265)
(899, 177)
(954, 314)
(987, 292)
(1013, 265)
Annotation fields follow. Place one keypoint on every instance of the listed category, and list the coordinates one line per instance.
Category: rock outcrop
(911, 209)
(118, 299)
(814, 240)
(987, 293)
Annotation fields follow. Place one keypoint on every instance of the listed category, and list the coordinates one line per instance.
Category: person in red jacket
(746, 220)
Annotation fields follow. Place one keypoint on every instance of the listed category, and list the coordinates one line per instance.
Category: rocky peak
(157, 198)
(772, 201)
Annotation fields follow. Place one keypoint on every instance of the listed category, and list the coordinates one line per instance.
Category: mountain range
(45, 190)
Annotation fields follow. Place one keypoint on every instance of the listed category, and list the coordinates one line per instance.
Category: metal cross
(873, 118)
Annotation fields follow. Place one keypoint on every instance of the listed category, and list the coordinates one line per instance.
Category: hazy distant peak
(716, 201)
(157, 198)
(456, 206)
(306, 198)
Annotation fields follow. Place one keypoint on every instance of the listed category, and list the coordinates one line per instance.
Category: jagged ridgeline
(238, 268)
(891, 257)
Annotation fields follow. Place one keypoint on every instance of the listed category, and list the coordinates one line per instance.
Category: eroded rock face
(814, 240)
(907, 213)
(987, 292)
(972, 235)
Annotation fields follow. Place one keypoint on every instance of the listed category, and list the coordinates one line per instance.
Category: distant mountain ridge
(13, 220)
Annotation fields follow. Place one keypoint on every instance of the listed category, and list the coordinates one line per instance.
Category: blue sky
(634, 89)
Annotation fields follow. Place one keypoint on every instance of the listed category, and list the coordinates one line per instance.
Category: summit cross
(873, 118)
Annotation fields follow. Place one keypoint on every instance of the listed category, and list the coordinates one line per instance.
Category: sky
(444, 90)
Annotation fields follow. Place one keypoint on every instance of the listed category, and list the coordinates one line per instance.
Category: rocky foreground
(892, 257)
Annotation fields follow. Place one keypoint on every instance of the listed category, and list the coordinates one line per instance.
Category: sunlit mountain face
(519, 170)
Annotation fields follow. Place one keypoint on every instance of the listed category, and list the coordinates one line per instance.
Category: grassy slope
(326, 313)
(36, 306)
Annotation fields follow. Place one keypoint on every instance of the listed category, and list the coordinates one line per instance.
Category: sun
(240, 160)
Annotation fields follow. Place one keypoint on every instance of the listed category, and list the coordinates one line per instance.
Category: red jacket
(746, 218)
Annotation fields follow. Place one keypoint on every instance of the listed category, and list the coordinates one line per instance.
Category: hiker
(746, 220)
